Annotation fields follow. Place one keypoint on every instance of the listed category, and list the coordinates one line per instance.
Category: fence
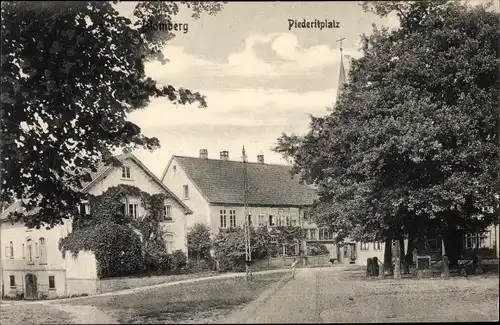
(282, 262)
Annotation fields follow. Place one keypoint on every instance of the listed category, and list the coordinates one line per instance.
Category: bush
(314, 249)
(206, 264)
(117, 248)
(179, 261)
(198, 241)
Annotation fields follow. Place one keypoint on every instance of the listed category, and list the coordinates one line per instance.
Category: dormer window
(126, 172)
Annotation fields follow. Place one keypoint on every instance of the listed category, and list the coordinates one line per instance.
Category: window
(294, 222)
(232, 218)
(223, 221)
(43, 251)
(168, 212)
(170, 243)
(132, 210)
(288, 220)
(86, 208)
(271, 221)
(12, 279)
(186, 192)
(250, 219)
(377, 245)
(475, 240)
(261, 220)
(52, 282)
(314, 234)
(29, 245)
(325, 234)
(364, 246)
(306, 215)
(126, 172)
(175, 169)
(24, 253)
(11, 250)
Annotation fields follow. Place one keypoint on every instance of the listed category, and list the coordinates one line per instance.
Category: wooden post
(445, 271)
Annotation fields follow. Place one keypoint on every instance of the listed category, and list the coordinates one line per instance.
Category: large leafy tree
(71, 71)
(412, 144)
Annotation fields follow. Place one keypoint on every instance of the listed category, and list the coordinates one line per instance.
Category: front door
(31, 286)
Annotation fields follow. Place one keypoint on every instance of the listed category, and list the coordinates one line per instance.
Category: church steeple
(341, 70)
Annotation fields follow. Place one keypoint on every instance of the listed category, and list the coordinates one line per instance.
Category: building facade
(214, 189)
(32, 264)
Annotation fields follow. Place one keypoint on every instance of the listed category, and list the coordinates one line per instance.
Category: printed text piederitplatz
(316, 23)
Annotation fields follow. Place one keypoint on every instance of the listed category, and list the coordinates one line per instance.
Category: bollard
(375, 266)
(381, 274)
(445, 269)
(397, 269)
(369, 267)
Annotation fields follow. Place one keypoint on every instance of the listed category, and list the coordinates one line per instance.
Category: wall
(285, 262)
(143, 181)
(53, 265)
(175, 180)
(363, 255)
(65, 270)
(81, 273)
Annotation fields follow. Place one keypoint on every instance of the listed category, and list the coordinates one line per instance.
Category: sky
(260, 78)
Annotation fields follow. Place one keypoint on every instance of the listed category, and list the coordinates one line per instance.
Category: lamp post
(248, 248)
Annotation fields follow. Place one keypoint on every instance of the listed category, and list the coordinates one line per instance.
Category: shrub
(314, 249)
(179, 261)
(117, 248)
(198, 241)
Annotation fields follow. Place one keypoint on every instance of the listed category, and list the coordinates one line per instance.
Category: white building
(33, 265)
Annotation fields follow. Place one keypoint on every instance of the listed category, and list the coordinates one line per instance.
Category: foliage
(413, 141)
(229, 247)
(71, 72)
(179, 261)
(117, 248)
(198, 241)
(316, 249)
(107, 213)
(229, 244)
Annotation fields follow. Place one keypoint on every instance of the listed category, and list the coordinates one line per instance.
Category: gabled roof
(102, 170)
(222, 182)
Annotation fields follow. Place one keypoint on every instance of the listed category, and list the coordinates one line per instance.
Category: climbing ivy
(121, 244)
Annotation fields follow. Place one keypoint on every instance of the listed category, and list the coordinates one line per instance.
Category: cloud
(244, 107)
(295, 59)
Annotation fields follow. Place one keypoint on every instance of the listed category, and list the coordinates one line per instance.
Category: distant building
(32, 263)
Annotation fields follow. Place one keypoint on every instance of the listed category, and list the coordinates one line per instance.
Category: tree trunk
(388, 255)
(409, 249)
(453, 245)
(397, 259)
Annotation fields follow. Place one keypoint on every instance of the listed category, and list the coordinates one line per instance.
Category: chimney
(224, 155)
(203, 153)
(260, 159)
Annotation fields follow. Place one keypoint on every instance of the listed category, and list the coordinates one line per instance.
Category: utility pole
(248, 247)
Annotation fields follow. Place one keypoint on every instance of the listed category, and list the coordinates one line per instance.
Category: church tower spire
(341, 69)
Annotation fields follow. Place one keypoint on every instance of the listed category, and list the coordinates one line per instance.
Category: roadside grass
(201, 302)
(34, 314)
